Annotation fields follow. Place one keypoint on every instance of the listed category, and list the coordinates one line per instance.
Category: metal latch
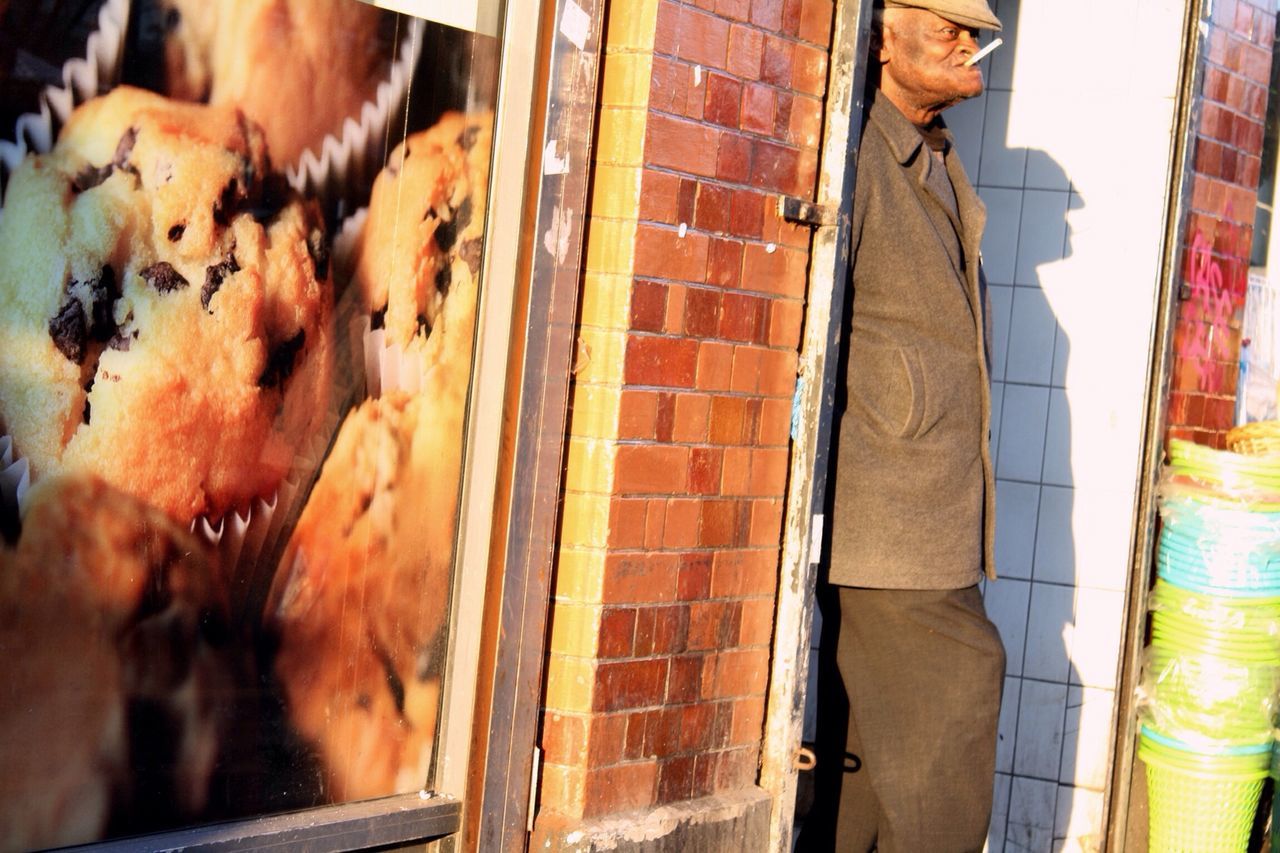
(806, 212)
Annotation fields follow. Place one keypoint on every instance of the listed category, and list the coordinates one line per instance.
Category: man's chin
(958, 97)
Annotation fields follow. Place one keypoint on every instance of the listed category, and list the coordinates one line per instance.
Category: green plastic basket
(1256, 652)
(1195, 628)
(1261, 614)
(1199, 812)
(1223, 760)
(1201, 802)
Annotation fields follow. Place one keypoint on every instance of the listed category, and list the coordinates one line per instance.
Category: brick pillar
(678, 450)
(1232, 106)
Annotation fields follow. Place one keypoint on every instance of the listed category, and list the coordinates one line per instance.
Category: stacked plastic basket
(1213, 666)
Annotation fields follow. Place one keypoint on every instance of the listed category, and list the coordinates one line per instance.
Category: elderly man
(913, 506)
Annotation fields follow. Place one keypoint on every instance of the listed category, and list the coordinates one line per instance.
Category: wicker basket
(1260, 438)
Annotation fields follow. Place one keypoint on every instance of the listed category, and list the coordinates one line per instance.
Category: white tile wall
(1061, 358)
(1017, 508)
(1055, 556)
(1000, 240)
(1042, 233)
(999, 72)
(1042, 711)
(997, 409)
(1001, 165)
(1033, 805)
(965, 120)
(1102, 521)
(1044, 173)
(1070, 158)
(1095, 649)
(1049, 632)
(1007, 602)
(1007, 729)
(1022, 432)
(1057, 440)
(1031, 338)
(1077, 820)
(1090, 720)
(1001, 300)
(999, 813)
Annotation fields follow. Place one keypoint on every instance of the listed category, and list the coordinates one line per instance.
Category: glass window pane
(240, 266)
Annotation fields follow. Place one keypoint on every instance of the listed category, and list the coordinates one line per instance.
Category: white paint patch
(575, 24)
(684, 229)
(697, 75)
(818, 524)
(771, 248)
(552, 164)
(626, 832)
(556, 240)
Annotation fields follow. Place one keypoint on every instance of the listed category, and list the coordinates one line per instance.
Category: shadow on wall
(1033, 601)
(1030, 197)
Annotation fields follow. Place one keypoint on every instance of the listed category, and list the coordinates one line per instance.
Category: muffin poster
(240, 255)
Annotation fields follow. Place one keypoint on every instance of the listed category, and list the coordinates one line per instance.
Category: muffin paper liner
(354, 157)
(15, 478)
(388, 367)
(246, 542)
(82, 79)
(383, 366)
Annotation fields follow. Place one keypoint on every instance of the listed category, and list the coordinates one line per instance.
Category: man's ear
(882, 46)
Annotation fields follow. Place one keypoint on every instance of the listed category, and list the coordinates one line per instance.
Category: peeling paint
(661, 823)
(556, 240)
(575, 24)
(552, 164)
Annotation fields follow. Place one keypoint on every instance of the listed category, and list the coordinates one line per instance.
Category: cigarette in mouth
(978, 56)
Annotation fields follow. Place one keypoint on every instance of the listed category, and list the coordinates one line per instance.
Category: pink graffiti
(1207, 337)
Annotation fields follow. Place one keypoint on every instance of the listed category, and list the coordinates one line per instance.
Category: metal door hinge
(806, 212)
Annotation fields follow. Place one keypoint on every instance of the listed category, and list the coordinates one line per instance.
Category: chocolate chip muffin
(426, 216)
(114, 628)
(297, 67)
(168, 306)
(362, 593)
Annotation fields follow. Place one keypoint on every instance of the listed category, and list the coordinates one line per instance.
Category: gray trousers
(920, 673)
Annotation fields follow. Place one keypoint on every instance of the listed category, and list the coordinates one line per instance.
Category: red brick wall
(1232, 106)
(691, 320)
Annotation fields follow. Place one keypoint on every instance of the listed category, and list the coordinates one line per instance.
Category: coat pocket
(887, 384)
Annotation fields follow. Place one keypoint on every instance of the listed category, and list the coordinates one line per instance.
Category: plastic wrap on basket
(1219, 514)
(1221, 477)
(1256, 617)
(1208, 701)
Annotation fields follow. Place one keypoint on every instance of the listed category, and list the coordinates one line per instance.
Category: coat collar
(904, 141)
(903, 137)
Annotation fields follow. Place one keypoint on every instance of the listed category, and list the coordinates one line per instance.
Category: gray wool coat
(914, 496)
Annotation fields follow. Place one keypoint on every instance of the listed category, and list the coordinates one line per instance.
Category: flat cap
(971, 13)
